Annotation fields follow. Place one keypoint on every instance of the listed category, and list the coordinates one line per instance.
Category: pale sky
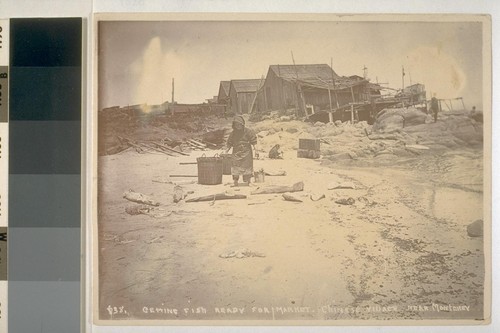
(137, 60)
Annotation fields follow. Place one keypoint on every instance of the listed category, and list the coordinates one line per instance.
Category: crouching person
(276, 153)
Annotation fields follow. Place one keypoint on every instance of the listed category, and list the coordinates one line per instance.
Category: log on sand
(218, 196)
(280, 189)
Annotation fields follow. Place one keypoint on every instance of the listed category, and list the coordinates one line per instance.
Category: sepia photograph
(293, 169)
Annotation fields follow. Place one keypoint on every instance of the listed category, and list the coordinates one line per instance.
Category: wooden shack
(242, 95)
(223, 96)
(282, 88)
(314, 88)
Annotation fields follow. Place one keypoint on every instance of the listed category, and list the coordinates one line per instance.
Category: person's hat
(239, 120)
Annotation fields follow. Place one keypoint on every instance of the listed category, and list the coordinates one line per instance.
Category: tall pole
(403, 78)
(302, 103)
(282, 90)
(173, 87)
(333, 82)
(330, 114)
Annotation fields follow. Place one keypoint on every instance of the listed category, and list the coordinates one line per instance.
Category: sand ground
(401, 251)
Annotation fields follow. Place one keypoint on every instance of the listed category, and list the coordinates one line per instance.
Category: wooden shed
(242, 94)
(312, 88)
(283, 83)
(223, 96)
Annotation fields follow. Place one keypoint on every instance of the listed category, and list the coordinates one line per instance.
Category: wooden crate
(309, 144)
(308, 153)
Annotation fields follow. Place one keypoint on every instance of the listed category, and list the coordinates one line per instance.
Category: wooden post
(282, 90)
(261, 85)
(330, 116)
(333, 82)
(403, 79)
(302, 100)
(301, 103)
(352, 113)
(173, 91)
(330, 99)
(462, 102)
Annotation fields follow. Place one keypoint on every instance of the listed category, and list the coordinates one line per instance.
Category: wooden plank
(210, 144)
(150, 146)
(194, 140)
(197, 143)
(170, 149)
(218, 196)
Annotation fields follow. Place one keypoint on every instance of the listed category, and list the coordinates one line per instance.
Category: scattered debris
(147, 146)
(155, 240)
(166, 148)
(475, 229)
(241, 253)
(218, 196)
(178, 194)
(214, 138)
(277, 173)
(161, 181)
(366, 201)
(259, 176)
(317, 197)
(419, 147)
(280, 189)
(118, 239)
(348, 201)
(186, 182)
(130, 195)
(340, 186)
(196, 144)
(137, 209)
(262, 134)
(146, 210)
(289, 197)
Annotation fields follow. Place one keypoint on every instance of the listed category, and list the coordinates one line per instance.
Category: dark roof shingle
(304, 72)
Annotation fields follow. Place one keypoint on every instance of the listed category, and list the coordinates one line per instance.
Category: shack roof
(340, 83)
(304, 72)
(250, 85)
(225, 86)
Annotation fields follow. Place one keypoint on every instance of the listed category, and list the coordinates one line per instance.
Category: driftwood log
(289, 197)
(218, 196)
(280, 189)
(140, 198)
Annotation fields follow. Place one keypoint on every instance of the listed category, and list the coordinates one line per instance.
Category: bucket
(259, 176)
(209, 170)
(227, 163)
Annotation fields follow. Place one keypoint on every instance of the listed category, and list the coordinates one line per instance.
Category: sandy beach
(398, 250)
